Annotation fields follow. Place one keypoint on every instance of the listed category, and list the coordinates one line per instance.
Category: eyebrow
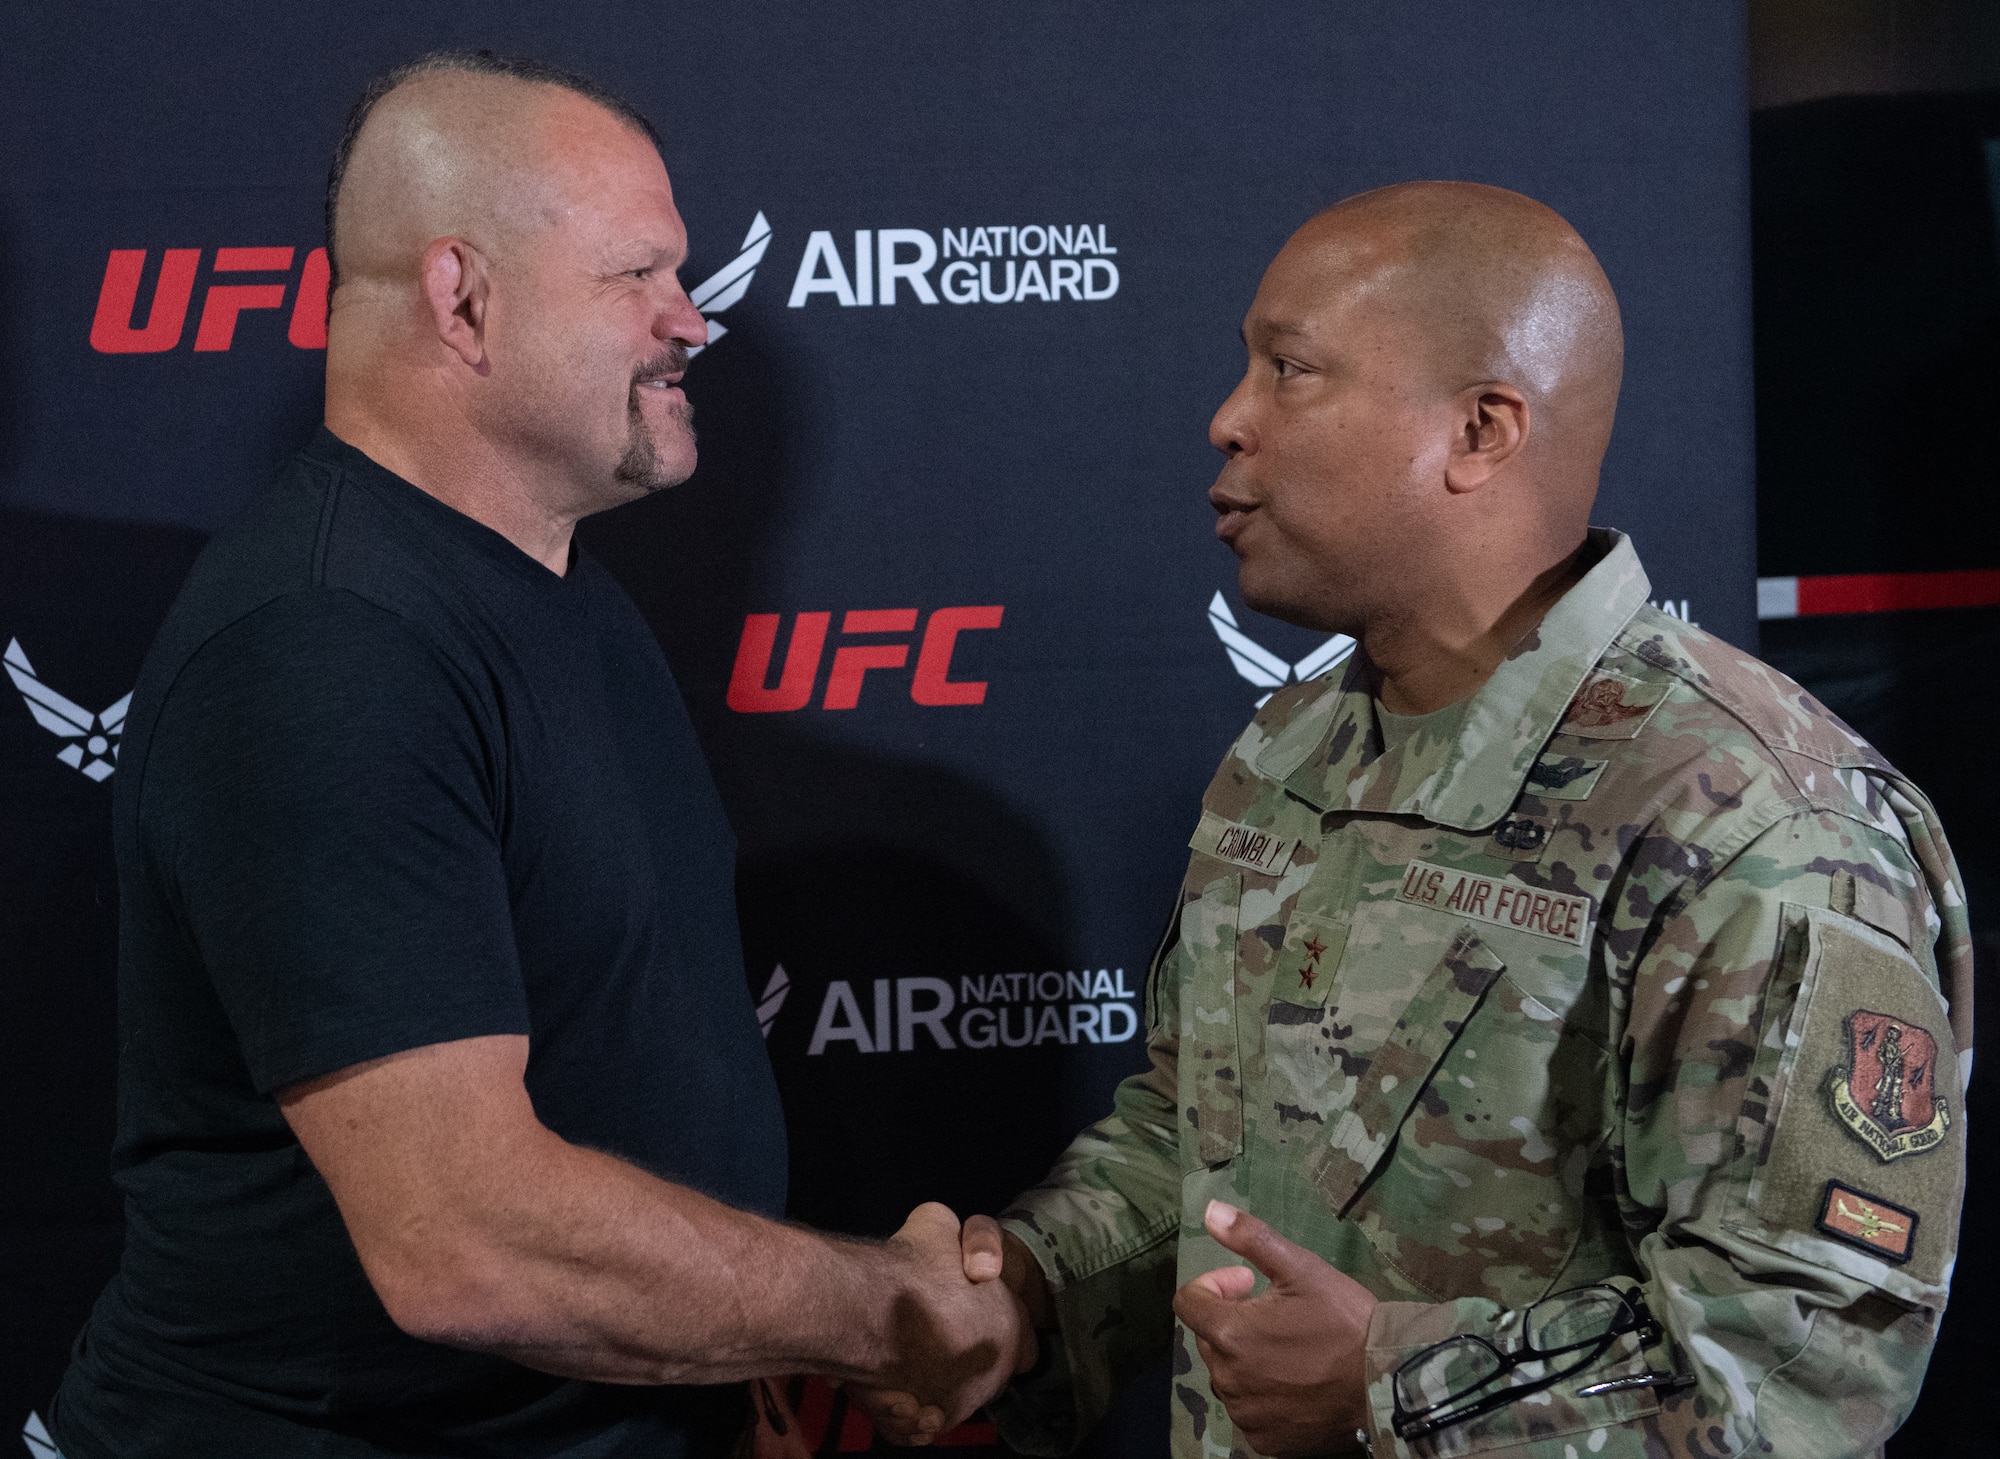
(639, 253)
(1281, 327)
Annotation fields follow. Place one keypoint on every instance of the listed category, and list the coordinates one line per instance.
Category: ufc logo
(750, 690)
(118, 330)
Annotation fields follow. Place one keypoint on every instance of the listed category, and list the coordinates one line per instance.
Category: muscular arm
(481, 1228)
(320, 808)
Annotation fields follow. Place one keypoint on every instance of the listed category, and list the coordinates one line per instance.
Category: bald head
(454, 145)
(1486, 285)
(1433, 372)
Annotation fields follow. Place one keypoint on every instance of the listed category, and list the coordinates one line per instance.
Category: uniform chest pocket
(1308, 960)
(1396, 1073)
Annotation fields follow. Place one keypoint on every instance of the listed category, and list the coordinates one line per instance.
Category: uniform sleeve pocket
(1860, 1134)
(1399, 1068)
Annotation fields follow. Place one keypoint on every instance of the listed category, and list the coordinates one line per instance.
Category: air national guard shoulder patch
(1886, 1093)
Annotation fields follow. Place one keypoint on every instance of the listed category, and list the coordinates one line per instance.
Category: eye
(1283, 367)
(640, 273)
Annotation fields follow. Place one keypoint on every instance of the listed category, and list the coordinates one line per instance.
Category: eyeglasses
(1447, 1382)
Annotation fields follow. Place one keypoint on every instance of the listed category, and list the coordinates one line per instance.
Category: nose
(678, 319)
(1231, 432)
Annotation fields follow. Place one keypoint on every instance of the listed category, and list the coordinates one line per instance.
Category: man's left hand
(1287, 1364)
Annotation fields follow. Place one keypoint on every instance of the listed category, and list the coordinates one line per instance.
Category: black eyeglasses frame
(1633, 1317)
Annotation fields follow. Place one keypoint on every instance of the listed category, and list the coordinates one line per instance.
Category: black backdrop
(1042, 459)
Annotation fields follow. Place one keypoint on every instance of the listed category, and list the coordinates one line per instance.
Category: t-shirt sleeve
(321, 804)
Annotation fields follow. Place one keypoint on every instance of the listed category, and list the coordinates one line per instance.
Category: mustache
(673, 360)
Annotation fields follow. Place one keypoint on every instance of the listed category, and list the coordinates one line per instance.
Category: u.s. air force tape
(1500, 900)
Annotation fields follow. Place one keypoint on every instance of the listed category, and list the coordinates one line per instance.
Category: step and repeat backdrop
(943, 593)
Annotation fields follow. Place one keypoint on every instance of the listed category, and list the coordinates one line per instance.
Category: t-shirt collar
(415, 504)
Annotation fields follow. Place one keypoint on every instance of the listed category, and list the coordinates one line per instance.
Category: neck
(431, 445)
(1448, 641)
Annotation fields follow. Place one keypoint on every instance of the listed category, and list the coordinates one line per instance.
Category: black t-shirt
(387, 782)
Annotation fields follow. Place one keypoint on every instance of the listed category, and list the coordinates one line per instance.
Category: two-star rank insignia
(1310, 971)
(1885, 1093)
(1879, 1227)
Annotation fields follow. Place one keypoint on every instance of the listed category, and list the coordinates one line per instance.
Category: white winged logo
(728, 284)
(1262, 667)
(93, 738)
(774, 998)
(35, 1435)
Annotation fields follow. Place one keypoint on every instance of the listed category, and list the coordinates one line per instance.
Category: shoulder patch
(1886, 1093)
(1866, 1221)
(1861, 1081)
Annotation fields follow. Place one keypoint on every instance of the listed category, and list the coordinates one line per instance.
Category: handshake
(964, 1323)
(1286, 1360)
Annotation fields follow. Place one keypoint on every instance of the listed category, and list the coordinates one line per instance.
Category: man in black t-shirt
(445, 1125)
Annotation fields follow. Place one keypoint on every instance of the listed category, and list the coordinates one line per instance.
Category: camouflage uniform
(1631, 974)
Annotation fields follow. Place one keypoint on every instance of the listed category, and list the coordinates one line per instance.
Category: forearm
(585, 1266)
(479, 1226)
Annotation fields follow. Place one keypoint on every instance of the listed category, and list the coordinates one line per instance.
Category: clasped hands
(1286, 1363)
(956, 1335)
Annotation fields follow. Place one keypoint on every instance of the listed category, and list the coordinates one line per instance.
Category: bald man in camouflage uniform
(1556, 945)
(1555, 992)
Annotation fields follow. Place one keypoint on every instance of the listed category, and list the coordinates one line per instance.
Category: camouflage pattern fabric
(1642, 968)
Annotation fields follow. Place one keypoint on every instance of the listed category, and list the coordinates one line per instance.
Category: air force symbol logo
(35, 1434)
(773, 996)
(1262, 667)
(728, 284)
(93, 738)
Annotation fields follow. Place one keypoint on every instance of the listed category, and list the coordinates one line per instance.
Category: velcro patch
(1259, 850)
(1611, 707)
(1499, 900)
(1886, 1094)
(1564, 777)
(1859, 1081)
(1869, 1222)
(1303, 973)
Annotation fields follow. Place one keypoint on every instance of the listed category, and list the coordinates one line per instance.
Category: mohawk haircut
(468, 63)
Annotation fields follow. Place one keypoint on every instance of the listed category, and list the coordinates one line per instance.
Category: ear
(455, 284)
(1491, 429)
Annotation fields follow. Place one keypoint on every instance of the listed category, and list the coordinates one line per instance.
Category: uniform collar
(1331, 755)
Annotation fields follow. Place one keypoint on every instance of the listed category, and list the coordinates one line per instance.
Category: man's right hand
(981, 1252)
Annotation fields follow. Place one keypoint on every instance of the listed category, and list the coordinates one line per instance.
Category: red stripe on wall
(1886, 592)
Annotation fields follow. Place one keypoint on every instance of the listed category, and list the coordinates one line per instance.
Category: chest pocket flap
(1395, 1076)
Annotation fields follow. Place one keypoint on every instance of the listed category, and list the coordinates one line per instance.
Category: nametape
(1264, 851)
(1501, 901)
